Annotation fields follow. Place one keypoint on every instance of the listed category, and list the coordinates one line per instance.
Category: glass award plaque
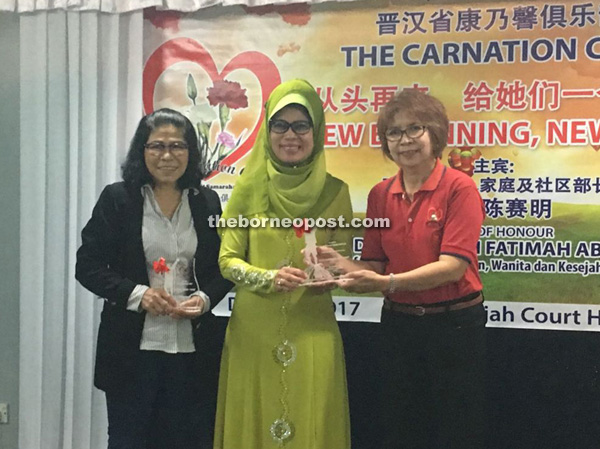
(184, 285)
(319, 273)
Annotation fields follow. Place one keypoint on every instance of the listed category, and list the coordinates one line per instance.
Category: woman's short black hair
(134, 170)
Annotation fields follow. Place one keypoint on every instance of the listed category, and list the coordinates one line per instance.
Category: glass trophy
(177, 279)
(319, 273)
(184, 286)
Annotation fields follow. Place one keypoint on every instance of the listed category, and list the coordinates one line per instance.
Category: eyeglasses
(281, 126)
(158, 148)
(412, 132)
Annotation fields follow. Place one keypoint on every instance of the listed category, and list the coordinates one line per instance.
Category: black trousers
(167, 408)
(433, 374)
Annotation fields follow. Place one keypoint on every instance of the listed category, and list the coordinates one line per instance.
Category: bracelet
(392, 286)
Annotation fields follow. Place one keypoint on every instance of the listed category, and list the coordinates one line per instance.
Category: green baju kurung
(253, 381)
(283, 379)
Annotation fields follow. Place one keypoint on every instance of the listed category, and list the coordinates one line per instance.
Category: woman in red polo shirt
(433, 319)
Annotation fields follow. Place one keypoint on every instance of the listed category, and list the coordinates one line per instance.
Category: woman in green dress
(283, 379)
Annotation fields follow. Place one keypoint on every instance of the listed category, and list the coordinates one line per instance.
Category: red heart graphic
(596, 147)
(185, 49)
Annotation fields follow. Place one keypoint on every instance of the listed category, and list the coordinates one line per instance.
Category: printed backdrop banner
(521, 88)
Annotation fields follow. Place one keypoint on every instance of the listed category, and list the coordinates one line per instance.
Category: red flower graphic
(294, 14)
(228, 93)
(163, 19)
(292, 47)
(225, 95)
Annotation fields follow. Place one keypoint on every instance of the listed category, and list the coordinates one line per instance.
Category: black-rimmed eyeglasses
(158, 148)
(412, 132)
(281, 126)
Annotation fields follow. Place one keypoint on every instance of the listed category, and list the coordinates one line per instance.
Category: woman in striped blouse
(149, 252)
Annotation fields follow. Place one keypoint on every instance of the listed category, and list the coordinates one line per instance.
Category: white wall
(9, 225)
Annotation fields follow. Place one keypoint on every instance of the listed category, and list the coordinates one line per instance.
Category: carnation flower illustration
(224, 96)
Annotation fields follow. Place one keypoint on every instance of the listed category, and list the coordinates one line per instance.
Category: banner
(521, 89)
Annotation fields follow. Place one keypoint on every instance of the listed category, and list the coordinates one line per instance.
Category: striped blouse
(174, 240)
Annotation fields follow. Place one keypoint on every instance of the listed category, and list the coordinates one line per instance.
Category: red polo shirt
(445, 217)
